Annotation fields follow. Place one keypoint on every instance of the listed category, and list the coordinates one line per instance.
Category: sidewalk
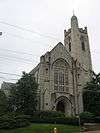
(92, 131)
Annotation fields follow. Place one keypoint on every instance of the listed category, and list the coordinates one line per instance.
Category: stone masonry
(63, 72)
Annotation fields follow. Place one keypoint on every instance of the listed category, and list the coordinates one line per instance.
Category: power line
(21, 37)
(23, 64)
(17, 60)
(13, 74)
(7, 78)
(27, 60)
(21, 28)
(24, 29)
(13, 51)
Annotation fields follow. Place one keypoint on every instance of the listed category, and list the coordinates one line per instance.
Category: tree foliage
(23, 96)
(91, 95)
(3, 102)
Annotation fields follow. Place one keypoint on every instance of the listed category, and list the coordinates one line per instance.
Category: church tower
(77, 44)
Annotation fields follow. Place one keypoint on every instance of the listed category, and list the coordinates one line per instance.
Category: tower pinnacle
(74, 21)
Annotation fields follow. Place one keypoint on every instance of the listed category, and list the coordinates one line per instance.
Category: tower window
(69, 43)
(69, 46)
(83, 45)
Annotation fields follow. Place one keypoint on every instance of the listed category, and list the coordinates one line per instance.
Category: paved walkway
(92, 132)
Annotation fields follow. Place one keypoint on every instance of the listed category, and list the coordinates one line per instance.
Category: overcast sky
(32, 27)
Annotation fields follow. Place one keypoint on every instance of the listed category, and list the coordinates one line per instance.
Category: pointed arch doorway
(60, 107)
(64, 105)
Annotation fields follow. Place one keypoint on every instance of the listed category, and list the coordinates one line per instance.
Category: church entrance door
(60, 106)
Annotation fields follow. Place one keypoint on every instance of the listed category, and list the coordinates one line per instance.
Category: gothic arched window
(69, 43)
(82, 43)
(60, 76)
(69, 46)
(83, 46)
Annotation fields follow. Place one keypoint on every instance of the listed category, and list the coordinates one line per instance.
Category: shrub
(53, 117)
(97, 119)
(48, 114)
(87, 117)
(69, 121)
(12, 120)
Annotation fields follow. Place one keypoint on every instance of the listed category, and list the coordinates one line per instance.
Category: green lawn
(44, 128)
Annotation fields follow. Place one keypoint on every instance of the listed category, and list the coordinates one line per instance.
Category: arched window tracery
(60, 76)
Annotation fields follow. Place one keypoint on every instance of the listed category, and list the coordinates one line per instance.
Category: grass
(43, 128)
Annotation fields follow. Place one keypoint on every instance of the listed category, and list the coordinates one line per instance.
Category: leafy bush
(3, 102)
(97, 119)
(69, 121)
(48, 114)
(53, 117)
(12, 120)
(87, 117)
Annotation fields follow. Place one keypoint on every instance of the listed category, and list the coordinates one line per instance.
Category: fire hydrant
(55, 130)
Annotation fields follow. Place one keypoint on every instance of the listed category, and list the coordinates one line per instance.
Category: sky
(32, 27)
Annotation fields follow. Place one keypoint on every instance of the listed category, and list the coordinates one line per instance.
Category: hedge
(53, 117)
(59, 120)
(9, 121)
(87, 117)
(47, 114)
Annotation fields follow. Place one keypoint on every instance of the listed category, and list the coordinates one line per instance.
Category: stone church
(63, 72)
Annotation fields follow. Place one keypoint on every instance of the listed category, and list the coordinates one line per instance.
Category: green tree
(12, 98)
(3, 102)
(23, 97)
(91, 95)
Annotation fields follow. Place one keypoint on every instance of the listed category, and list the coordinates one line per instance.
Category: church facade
(63, 72)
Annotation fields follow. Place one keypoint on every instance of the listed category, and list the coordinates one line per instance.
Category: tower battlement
(66, 33)
(83, 30)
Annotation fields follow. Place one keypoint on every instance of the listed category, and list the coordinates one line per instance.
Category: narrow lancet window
(69, 43)
(83, 45)
(69, 46)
